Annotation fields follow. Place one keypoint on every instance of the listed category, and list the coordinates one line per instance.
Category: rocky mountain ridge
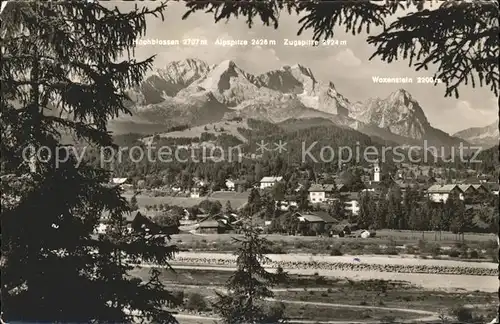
(487, 136)
(193, 92)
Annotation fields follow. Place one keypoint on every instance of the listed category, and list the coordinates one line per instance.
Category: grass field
(432, 236)
(300, 291)
(144, 200)
(476, 251)
(383, 237)
(230, 128)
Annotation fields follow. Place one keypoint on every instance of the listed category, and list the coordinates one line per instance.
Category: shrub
(275, 312)
(463, 314)
(493, 254)
(388, 320)
(410, 249)
(320, 280)
(454, 253)
(373, 249)
(276, 249)
(336, 252)
(422, 244)
(464, 254)
(178, 297)
(490, 244)
(196, 302)
(474, 254)
(391, 248)
(435, 250)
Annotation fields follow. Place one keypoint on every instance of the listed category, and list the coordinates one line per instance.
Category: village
(329, 207)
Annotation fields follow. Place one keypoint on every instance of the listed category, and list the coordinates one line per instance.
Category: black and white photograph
(250, 162)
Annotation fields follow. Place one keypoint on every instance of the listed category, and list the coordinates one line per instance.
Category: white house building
(230, 185)
(441, 193)
(125, 183)
(319, 193)
(268, 182)
(352, 206)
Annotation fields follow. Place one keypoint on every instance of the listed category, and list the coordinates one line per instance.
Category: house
(137, 222)
(441, 193)
(480, 178)
(351, 203)
(343, 228)
(481, 189)
(195, 194)
(319, 193)
(125, 183)
(352, 206)
(425, 179)
(492, 187)
(324, 216)
(299, 187)
(285, 205)
(311, 224)
(235, 185)
(468, 190)
(407, 185)
(230, 185)
(212, 226)
(268, 182)
(120, 181)
(315, 223)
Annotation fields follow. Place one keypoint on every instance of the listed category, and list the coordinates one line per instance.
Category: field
(323, 298)
(383, 237)
(230, 128)
(477, 247)
(237, 200)
(414, 236)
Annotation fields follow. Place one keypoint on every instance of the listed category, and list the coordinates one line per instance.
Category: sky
(347, 66)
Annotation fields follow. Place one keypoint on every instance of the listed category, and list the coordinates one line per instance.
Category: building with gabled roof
(319, 193)
(441, 193)
(481, 189)
(467, 189)
(267, 182)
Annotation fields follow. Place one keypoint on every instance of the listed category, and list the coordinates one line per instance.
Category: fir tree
(228, 208)
(250, 285)
(366, 210)
(134, 205)
(254, 201)
(337, 210)
(65, 67)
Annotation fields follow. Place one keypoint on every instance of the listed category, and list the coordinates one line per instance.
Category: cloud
(347, 58)
(464, 115)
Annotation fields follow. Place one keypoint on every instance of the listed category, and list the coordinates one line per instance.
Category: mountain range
(192, 92)
(483, 136)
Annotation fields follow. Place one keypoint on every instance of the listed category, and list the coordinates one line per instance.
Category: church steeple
(376, 172)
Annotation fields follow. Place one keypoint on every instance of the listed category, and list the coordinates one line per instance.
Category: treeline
(409, 211)
(236, 160)
(395, 210)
